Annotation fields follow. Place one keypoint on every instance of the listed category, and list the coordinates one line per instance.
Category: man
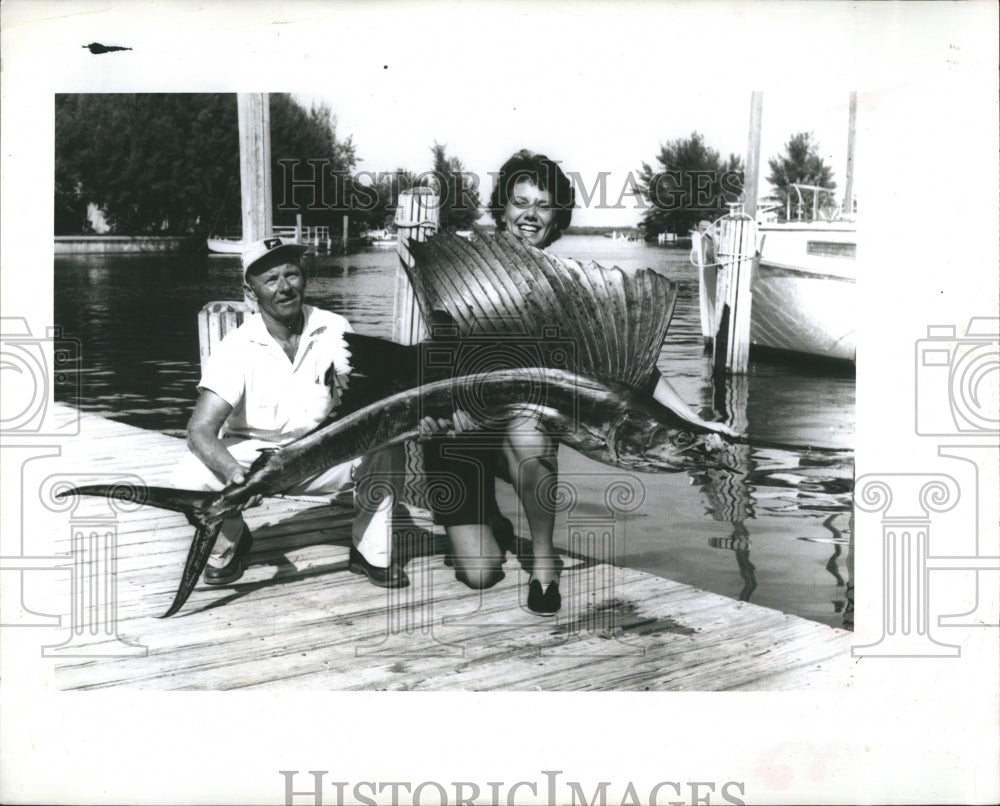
(266, 385)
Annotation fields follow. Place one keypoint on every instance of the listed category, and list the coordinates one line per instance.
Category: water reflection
(730, 489)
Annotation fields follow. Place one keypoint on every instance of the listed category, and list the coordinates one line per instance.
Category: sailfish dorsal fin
(611, 321)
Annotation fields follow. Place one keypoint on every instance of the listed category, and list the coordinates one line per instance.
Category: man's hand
(237, 477)
(459, 423)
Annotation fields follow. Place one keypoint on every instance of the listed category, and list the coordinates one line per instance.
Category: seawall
(124, 244)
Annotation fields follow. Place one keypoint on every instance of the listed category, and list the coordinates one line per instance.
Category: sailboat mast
(849, 183)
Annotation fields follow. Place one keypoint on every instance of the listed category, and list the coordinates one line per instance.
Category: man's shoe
(391, 577)
(233, 569)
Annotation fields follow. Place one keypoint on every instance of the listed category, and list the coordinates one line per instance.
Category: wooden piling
(216, 319)
(734, 299)
(255, 164)
(417, 216)
(738, 256)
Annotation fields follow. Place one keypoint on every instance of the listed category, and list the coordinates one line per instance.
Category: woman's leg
(532, 460)
(462, 471)
(477, 556)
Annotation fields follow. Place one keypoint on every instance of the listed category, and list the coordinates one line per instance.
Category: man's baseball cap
(273, 251)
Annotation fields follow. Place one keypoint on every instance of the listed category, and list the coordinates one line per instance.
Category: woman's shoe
(545, 603)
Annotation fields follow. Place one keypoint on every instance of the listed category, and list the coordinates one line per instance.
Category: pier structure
(299, 619)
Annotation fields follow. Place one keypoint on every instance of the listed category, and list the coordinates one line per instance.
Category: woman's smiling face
(530, 214)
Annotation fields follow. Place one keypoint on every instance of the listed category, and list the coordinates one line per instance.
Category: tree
(692, 182)
(154, 164)
(459, 199)
(801, 163)
(375, 205)
(169, 163)
(298, 136)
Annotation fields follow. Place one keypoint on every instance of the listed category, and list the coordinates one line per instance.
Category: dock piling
(417, 216)
(734, 299)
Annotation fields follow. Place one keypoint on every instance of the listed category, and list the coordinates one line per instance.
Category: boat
(225, 246)
(804, 301)
(314, 237)
(380, 237)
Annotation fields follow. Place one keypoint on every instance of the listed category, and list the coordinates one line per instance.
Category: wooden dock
(298, 619)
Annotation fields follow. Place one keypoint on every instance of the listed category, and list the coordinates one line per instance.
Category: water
(774, 530)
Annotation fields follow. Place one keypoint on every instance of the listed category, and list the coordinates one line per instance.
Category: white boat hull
(803, 291)
(230, 246)
(225, 246)
(802, 312)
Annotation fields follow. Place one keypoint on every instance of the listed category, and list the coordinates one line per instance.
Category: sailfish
(515, 331)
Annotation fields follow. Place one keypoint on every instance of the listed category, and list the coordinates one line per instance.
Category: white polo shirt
(275, 399)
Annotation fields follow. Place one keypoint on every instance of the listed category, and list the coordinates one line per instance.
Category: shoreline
(124, 244)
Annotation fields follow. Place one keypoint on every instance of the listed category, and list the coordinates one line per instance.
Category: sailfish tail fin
(201, 548)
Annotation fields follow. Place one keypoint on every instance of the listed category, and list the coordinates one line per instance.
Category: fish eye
(683, 439)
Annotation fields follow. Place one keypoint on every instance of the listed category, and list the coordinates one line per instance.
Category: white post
(417, 216)
(216, 319)
(751, 176)
(255, 164)
(738, 256)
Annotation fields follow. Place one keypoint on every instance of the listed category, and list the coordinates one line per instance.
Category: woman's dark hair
(545, 174)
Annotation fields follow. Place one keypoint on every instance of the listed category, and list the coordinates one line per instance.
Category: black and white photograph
(596, 367)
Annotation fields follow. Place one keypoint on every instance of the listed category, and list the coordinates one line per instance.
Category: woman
(533, 200)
